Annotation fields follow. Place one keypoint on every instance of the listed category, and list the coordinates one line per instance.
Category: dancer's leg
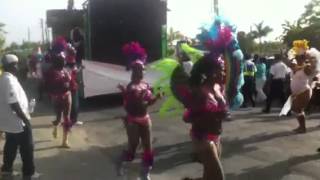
(66, 121)
(147, 161)
(209, 156)
(299, 104)
(128, 155)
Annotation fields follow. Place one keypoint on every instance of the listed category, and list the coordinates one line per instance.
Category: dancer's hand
(160, 95)
(121, 87)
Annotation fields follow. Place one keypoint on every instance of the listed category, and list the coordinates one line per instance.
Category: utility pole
(70, 5)
(42, 29)
(216, 7)
(29, 34)
(47, 34)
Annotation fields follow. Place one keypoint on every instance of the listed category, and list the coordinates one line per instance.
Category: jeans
(74, 106)
(277, 91)
(248, 90)
(260, 82)
(23, 141)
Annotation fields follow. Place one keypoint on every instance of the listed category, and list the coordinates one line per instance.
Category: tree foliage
(271, 48)
(312, 14)
(260, 32)
(246, 42)
(249, 46)
(22, 50)
(2, 37)
(25, 46)
(2, 31)
(306, 27)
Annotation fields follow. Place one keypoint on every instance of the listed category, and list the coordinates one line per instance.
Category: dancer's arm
(121, 88)
(155, 99)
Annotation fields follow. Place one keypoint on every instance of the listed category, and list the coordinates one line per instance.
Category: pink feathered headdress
(59, 44)
(134, 53)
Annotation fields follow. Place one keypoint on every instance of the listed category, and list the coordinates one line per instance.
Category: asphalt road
(255, 146)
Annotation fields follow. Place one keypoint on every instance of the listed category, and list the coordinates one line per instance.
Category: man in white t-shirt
(279, 72)
(14, 120)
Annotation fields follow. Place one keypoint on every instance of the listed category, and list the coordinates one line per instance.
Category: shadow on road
(100, 102)
(239, 146)
(80, 165)
(275, 171)
(171, 156)
(166, 157)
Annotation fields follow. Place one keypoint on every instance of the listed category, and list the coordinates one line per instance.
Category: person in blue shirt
(261, 77)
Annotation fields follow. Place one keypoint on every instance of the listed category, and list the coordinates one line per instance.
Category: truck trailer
(107, 25)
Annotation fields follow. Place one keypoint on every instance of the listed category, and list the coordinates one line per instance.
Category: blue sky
(185, 15)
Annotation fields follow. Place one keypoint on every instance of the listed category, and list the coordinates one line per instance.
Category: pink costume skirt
(61, 101)
(142, 120)
(205, 136)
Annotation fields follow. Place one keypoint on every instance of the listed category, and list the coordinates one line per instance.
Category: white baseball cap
(9, 59)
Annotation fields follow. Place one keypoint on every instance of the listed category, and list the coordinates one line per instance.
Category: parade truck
(106, 26)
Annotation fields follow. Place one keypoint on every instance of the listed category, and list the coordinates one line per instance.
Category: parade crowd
(291, 78)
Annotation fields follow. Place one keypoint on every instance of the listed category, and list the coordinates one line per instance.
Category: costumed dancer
(34, 63)
(206, 110)
(39, 74)
(71, 67)
(304, 64)
(203, 93)
(210, 83)
(58, 83)
(174, 78)
(137, 97)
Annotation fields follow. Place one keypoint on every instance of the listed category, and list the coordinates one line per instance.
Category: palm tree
(2, 38)
(287, 26)
(246, 42)
(261, 31)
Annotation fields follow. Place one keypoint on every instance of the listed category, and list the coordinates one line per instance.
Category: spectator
(15, 121)
(248, 88)
(77, 40)
(279, 71)
(261, 77)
